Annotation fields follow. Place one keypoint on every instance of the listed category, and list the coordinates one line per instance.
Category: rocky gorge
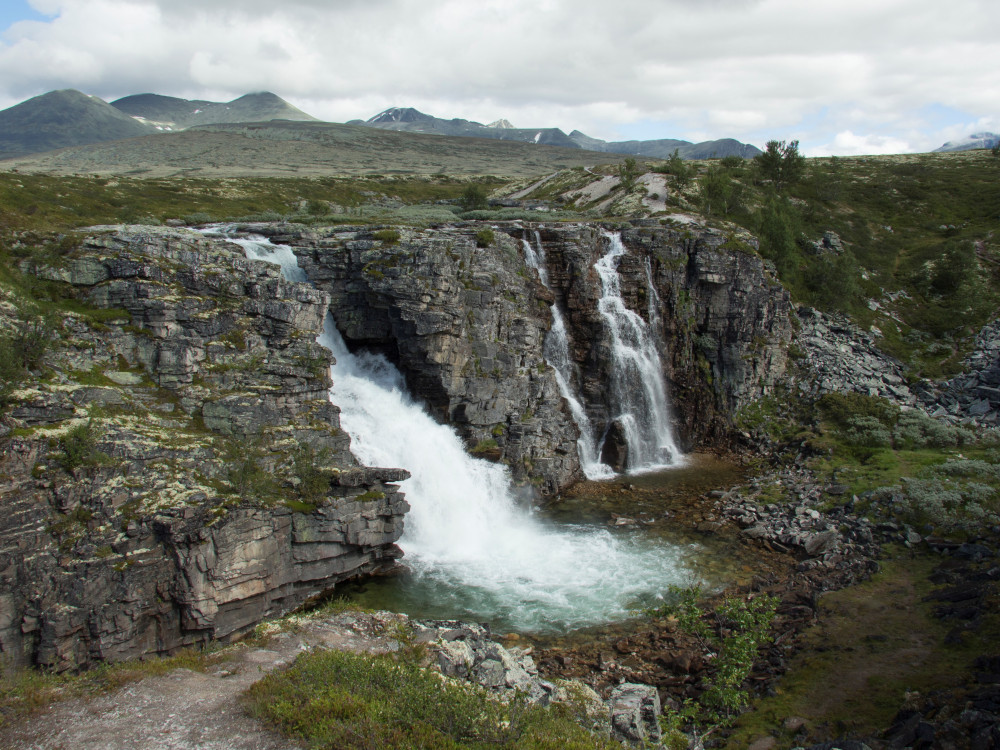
(176, 470)
(216, 487)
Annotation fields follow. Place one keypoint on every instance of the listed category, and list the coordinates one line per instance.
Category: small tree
(628, 172)
(474, 198)
(781, 163)
(676, 166)
(716, 188)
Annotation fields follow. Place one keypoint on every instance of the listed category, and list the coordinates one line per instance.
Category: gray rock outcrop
(635, 714)
(841, 358)
(210, 485)
(975, 394)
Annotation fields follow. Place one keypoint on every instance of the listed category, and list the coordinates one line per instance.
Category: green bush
(628, 173)
(677, 167)
(247, 476)
(842, 408)
(313, 482)
(345, 701)
(781, 163)
(832, 281)
(79, 447)
(733, 163)
(914, 429)
(867, 432)
(734, 633)
(473, 198)
(949, 506)
(485, 238)
(387, 237)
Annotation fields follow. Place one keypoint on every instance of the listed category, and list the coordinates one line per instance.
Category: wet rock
(615, 450)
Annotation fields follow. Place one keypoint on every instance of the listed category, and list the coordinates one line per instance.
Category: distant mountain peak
(398, 114)
(61, 119)
(171, 113)
(501, 125)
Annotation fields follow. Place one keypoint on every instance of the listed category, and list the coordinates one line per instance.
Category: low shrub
(333, 699)
(387, 237)
(485, 238)
(79, 447)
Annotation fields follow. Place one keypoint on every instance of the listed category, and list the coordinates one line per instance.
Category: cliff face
(721, 321)
(175, 472)
(466, 324)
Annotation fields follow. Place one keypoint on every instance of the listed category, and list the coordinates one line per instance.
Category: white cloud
(752, 69)
(847, 143)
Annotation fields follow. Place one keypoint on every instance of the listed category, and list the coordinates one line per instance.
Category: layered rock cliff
(465, 324)
(174, 472)
(465, 318)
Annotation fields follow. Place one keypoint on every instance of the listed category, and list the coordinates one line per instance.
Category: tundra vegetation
(916, 257)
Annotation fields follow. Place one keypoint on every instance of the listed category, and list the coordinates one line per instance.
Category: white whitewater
(639, 395)
(556, 351)
(638, 392)
(465, 536)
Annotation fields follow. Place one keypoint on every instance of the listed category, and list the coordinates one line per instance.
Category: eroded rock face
(185, 518)
(720, 320)
(975, 394)
(467, 325)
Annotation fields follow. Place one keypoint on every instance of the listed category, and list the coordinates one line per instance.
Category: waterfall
(465, 537)
(556, 351)
(638, 392)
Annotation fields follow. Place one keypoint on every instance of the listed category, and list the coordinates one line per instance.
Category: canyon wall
(465, 318)
(174, 472)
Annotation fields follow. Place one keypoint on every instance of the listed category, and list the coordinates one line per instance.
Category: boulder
(635, 714)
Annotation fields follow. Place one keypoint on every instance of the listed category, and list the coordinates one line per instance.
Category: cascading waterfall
(466, 540)
(556, 352)
(638, 393)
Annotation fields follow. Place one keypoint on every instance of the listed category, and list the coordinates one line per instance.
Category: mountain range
(171, 113)
(67, 118)
(410, 120)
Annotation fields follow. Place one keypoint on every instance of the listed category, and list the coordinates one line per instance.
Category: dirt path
(188, 710)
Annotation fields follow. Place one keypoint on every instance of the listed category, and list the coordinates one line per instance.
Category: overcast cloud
(845, 77)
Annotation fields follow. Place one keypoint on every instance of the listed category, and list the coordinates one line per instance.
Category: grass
(875, 642)
(342, 701)
(40, 203)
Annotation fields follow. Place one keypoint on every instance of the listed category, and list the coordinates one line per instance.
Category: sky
(842, 77)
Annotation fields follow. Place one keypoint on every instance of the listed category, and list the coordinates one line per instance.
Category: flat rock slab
(187, 710)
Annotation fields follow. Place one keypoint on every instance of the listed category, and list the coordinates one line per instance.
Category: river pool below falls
(658, 512)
